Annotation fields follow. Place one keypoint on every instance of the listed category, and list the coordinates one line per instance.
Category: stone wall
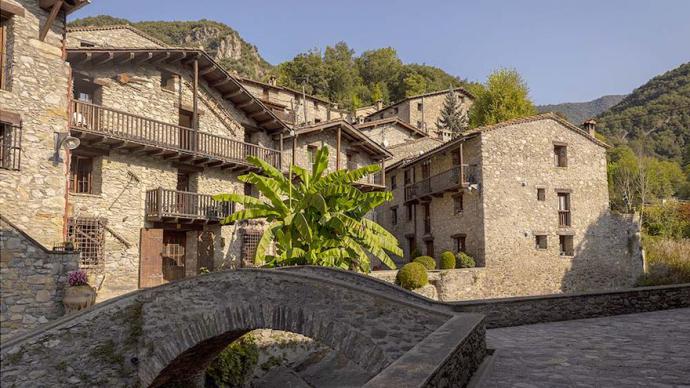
(389, 134)
(32, 281)
(550, 308)
(34, 197)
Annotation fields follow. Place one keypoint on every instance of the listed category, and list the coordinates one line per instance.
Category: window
(426, 169)
(10, 146)
(316, 106)
(394, 215)
(394, 182)
(429, 247)
(250, 241)
(81, 174)
(411, 246)
(564, 209)
(540, 241)
(456, 157)
(458, 203)
(560, 154)
(316, 121)
(427, 217)
(173, 254)
(419, 124)
(410, 211)
(407, 177)
(459, 241)
(311, 155)
(249, 190)
(566, 245)
(87, 234)
(167, 81)
(351, 164)
(5, 62)
(420, 106)
(541, 194)
(395, 110)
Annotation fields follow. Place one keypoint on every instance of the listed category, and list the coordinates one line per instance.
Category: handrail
(162, 202)
(100, 119)
(435, 183)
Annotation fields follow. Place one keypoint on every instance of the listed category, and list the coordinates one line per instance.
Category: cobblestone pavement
(636, 350)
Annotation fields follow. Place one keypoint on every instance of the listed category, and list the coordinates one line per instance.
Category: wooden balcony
(173, 206)
(105, 128)
(450, 180)
(373, 182)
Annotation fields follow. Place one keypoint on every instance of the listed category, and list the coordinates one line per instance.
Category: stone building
(422, 111)
(527, 198)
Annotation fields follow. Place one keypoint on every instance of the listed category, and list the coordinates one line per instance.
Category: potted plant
(79, 295)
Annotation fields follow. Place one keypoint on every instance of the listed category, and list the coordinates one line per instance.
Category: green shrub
(465, 261)
(427, 261)
(235, 364)
(412, 275)
(414, 254)
(447, 260)
(668, 261)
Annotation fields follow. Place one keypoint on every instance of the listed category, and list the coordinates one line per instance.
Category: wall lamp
(64, 140)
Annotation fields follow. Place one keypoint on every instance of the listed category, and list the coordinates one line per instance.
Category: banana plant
(317, 218)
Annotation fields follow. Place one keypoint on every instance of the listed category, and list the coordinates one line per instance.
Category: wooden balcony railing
(127, 127)
(173, 205)
(372, 181)
(448, 180)
(563, 218)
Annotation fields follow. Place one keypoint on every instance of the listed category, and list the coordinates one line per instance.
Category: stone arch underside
(171, 332)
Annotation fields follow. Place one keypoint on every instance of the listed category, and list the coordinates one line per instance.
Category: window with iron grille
(87, 234)
(250, 241)
(10, 146)
(81, 174)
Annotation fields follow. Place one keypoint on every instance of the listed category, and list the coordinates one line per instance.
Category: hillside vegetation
(655, 117)
(578, 112)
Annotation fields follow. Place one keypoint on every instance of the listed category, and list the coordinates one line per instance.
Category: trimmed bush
(447, 260)
(427, 261)
(412, 275)
(465, 261)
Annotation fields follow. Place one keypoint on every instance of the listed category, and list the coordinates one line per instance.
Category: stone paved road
(637, 350)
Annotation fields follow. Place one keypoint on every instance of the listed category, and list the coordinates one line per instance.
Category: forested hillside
(578, 112)
(220, 41)
(657, 114)
(334, 73)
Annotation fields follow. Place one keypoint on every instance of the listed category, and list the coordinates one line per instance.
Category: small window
(541, 194)
(420, 106)
(316, 121)
(311, 155)
(458, 205)
(540, 241)
(394, 215)
(395, 110)
(560, 154)
(429, 248)
(410, 211)
(407, 177)
(564, 218)
(566, 245)
(167, 81)
(394, 182)
(411, 245)
(459, 241)
(81, 174)
(87, 234)
(10, 146)
(85, 43)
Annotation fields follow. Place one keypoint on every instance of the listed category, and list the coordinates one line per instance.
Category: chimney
(379, 104)
(590, 126)
(272, 80)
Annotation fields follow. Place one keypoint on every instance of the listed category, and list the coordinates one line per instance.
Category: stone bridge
(167, 335)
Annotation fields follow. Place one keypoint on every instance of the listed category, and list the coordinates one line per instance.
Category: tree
(504, 97)
(320, 220)
(452, 119)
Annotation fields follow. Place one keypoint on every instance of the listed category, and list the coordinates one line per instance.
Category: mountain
(656, 115)
(219, 40)
(578, 112)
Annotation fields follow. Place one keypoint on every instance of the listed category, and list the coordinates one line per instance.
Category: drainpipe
(68, 156)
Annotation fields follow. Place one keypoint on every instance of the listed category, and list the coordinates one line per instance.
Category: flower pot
(78, 298)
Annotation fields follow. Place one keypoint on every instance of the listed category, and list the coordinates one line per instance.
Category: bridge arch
(170, 333)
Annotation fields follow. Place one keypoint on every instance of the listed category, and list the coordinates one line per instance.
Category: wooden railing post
(159, 201)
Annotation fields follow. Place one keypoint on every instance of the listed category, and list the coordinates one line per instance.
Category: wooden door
(205, 251)
(150, 259)
(187, 134)
(181, 200)
(173, 257)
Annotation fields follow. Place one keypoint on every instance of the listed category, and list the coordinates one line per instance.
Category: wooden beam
(206, 70)
(256, 114)
(146, 57)
(51, 19)
(245, 104)
(86, 58)
(8, 9)
(220, 82)
(337, 150)
(162, 58)
(233, 94)
(192, 58)
(106, 58)
(128, 57)
(179, 57)
(195, 93)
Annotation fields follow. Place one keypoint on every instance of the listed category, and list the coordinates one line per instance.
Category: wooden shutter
(150, 261)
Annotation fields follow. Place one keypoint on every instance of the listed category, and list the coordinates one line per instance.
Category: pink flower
(77, 278)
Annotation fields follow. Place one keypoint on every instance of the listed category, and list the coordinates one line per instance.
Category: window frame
(394, 215)
(458, 198)
(409, 211)
(80, 178)
(10, 146)
(460, 242)
(560, 154)
(539, 239)
(541, 194)
(168, 79)
(394, 183)
(566, 245)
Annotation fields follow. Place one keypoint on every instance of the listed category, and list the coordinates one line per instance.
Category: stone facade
(390, 132)
(32, 281)
(502, 214)
(37, 90)
(423, 111)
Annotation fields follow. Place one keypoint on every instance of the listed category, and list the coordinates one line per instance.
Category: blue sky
(567, 51)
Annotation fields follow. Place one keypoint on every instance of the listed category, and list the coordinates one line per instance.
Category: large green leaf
(320, 164)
